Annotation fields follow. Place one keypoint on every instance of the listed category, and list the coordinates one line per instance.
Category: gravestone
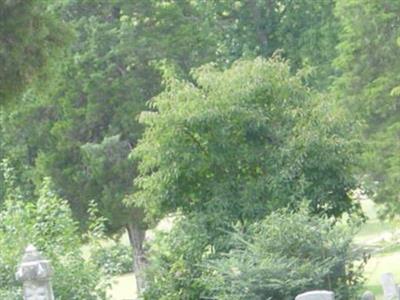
(390, 288)
(368, 296)
(316, 295)
(35, 274)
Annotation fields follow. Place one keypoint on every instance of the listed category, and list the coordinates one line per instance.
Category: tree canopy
(368, 60)
(222, 111)
(237, 144)
(108, 74)
(29, 37)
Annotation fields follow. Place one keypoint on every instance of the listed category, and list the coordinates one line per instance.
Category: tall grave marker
(35, 274)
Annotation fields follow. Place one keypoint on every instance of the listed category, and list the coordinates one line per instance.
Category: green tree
(105, 81)
(29, 36)
(230, 148)
(113, 42)
(238, 144)
(369, 64)
(85, 121)
(305, 31)
(20, 141)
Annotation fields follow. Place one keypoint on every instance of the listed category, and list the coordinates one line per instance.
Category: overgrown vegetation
(49, 224)
(175, 262)
(238, 144)
(287, 253)
(278, 257)
(220, 112)
(114, 259)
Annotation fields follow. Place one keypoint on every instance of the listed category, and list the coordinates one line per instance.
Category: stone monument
(35, 274)
(316, 295)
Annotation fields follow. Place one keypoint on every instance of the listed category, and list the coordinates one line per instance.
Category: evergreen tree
(29, 36)
(368, 60)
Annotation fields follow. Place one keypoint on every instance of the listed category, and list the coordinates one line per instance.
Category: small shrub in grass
(286, 254)
(115, 259)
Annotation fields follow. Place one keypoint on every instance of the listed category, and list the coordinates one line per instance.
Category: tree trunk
(136, 238)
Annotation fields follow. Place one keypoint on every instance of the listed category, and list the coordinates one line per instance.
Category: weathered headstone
(35, 274)
(390, 288)
(316, 295)
(368, 296)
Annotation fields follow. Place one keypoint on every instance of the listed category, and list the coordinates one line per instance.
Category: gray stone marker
(35, 273)
(390, 288)
(316, 295)
(368, 296)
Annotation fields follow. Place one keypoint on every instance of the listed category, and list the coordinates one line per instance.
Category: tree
(20, 142)
(368, 62)
(304, 30)
(85, 121)
(105, 80)
(229, 149)
(29, 37)
(235, 145)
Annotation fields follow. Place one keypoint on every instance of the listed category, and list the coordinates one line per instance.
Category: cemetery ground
(384, 239)
(382, 236)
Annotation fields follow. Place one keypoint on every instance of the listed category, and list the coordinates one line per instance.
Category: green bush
(115, 259)
(48, 224)
(11, 294)
(277, 258)
(286, 254)
(175, 258)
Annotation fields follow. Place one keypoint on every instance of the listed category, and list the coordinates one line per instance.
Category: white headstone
(390, 288)
(368, 296)
(35, 273)
(316, 295)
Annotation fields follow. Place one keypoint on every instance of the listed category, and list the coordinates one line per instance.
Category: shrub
(11, 294)
(175, 258)
(48, 224)
(277, 258)
(286, 254)
(115, 259)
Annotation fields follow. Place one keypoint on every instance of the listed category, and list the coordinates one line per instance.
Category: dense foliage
(233, 147)
(288, 253)
(237, 144)
(50, 226)
(276, 258)
(86, 117)
(114, 259)
(223, 139)
(369, 86)
(305, 31)
(30, 35)
(175, 261)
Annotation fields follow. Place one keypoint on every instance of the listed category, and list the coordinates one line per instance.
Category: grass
(123, 288)
(374, 229)
(377, 266)
(382, 235)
